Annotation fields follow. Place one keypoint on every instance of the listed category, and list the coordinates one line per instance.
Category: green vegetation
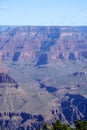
(79, 125)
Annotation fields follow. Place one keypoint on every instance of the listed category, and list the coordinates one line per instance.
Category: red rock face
(46, 63)
(59, 43)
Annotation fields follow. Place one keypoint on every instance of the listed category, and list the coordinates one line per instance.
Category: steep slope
(74, 107)
(12, 97)
(43, 71)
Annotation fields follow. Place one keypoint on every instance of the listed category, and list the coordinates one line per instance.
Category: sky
(43, 12)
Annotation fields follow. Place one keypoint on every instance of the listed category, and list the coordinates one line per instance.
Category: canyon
(43, 75)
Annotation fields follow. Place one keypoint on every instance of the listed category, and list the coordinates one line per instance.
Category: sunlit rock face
(58, 43)
(43, 75)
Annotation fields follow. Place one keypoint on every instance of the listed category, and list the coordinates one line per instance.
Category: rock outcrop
(43, 75)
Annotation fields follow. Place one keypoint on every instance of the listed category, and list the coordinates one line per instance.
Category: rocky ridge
(43, 75)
